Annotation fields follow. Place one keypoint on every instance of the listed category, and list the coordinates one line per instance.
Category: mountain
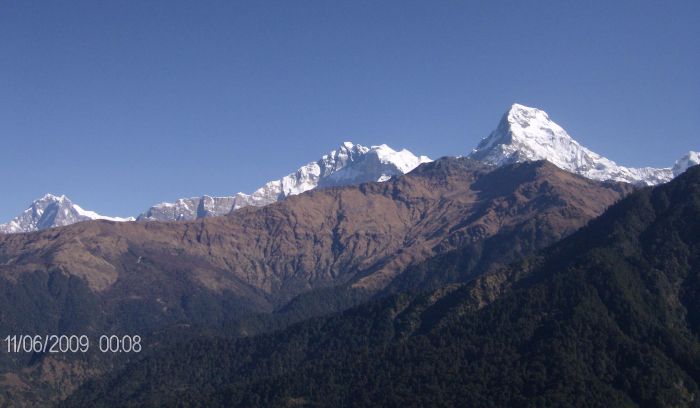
(52, 211)
(526, 133)
(307, 255)
(609, 316)
(267, 255)
(189, 209)
(347, 165)
(684, 163)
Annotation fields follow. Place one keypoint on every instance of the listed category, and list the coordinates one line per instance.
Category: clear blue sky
(121, 104)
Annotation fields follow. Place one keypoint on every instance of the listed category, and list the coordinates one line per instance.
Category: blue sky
(122, 104)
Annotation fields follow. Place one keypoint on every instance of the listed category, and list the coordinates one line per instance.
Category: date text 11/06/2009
(24, 343)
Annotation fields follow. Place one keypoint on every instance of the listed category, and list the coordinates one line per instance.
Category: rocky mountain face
(609, 316)
(52, 211)
(349, 164)
(526, 134)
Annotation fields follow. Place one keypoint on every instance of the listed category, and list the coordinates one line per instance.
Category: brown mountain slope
(447, 221)
(608, 317)
(363, 235)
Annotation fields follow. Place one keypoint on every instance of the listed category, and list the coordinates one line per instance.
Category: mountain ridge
(523, 134)
(105, 277)
(606, 317)
(349, 164)
(448, 203)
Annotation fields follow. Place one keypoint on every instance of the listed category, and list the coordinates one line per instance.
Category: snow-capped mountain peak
(689, 160)
(52, 211)
(348, 164)
(527, 134)
(523, 134)
(403, 159)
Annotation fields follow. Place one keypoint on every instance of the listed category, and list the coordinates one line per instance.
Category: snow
(348, 164)
(95, 216)
(404, 160)
(689, 160)
(527, 134)
(52, 211)
(523, 134)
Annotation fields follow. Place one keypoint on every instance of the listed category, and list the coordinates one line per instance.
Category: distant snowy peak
(189, 209)
(349, 164)
(52, 211)
(689, 160)
(527, 134)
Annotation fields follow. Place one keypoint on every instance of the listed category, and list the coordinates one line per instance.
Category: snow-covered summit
(354, 164)
(689, 160)
(526, 133)
(348, 164)
(52, 211)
